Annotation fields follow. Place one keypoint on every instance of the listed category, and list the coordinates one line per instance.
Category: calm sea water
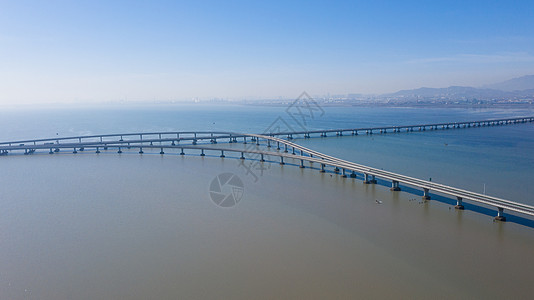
(112, 226)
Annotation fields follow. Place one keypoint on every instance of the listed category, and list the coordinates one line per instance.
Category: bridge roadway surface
(305, 155)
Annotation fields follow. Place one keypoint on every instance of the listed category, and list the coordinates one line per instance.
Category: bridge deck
(309, 155)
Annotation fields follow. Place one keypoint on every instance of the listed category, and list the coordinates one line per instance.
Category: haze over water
(108, 226)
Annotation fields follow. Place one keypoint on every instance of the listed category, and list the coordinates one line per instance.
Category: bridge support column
(97, 150)
(395, 186)
(344, 175)
(120, 151)
(426, 196)
(141, 150)
(282, 160)
(293, 150)
(369, 179)
(257, 141)
(268, 143)
(202, 152)
(51, 152)
(182, 153)
(285, 148)
(244, 140)
(161, 152)
(277, 145)
(194, 142)
(222, 154)
(459, 203)
(336, 169)
(77, 151)
(322, 168)
(353, 174)
(302, 163)
(500, 215)
(261, 159)
(242, 155)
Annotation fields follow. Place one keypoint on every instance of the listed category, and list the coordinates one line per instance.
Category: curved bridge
(170, 140)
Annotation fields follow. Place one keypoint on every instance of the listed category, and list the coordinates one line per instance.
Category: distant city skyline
(97, 51)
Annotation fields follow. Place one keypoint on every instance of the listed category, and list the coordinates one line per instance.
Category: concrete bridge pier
(285, 148)
(120, 151)
(277, 145)
(268, 143)
(140, 150)
(353, 174)
(242, 155)
(202, 152)
(500, 215)
(222, 154)
(77, 151)
(161, 151)
(97, 150)
(244, 140)
(182, 151)
(257, 141)
(344, 175)
(336, 170)
(51, 152)
(282, 160)
(194, 142)
(395, 186)
(322, 168)
(426, 196)
(369, 179)
(261, 159)
(459, 203)
(302, 164)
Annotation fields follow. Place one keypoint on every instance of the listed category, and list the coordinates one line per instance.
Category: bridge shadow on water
(490, 212)
(511, 218)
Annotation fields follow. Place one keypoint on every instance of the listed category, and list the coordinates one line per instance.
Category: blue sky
(93, 51)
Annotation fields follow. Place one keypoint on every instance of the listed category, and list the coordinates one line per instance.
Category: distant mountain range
(516, 84)
(513, 88)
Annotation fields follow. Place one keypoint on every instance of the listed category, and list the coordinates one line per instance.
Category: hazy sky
(67, 51)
